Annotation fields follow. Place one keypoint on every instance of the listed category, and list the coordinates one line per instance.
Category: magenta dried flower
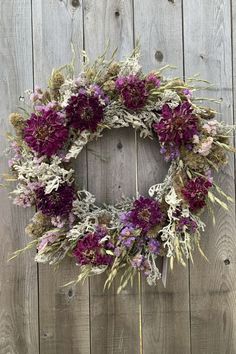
(91, 250)
(195, 192)
(176, 128)
(98, 92)
(57, 203)
(186, 223)
(153, 80)
(133, 91)
(145, 214)
(46, 133)
(85, 110)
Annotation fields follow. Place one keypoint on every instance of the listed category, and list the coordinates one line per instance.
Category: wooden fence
(196, 313)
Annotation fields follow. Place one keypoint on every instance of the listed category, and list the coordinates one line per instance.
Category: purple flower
(85, 110)
(45, 133)
(137, 261)
(186, 223)
(133, 91)
(176, 128)
(127, 237)
(187, 92)
(56, 203)
(195, 192)
(91, 250)
(98, 92)
(171, 153)
(153, 80)
(146, 214)
(141, 263)
(154, 246)
(117, 251)
(124, 217)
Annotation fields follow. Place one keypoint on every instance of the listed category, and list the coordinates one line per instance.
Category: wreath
(134, 234)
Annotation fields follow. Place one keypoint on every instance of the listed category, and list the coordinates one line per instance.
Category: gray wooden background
(196, 313)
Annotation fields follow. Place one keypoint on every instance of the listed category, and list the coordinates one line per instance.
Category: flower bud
(56, 80)
(18, 122)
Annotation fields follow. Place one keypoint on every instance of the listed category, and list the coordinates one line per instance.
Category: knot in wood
(227, 261)
(70, 293)
(119, 145)
(75, 3)
(21, 98)
(159, 55)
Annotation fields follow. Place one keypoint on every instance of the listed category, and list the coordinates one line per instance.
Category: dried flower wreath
(133, 234)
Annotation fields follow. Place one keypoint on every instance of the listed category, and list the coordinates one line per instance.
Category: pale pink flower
(58, 221)
(45, 108)
(205, 147)
(12, 162)
(81, 81)
(37, 94)
(24, 200)
(48, 238)
(211, 127)
(196, 139)
(15, 149)
(27, 197)
(38, 160)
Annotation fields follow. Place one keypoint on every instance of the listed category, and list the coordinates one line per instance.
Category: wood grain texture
(111, 173)
(166, 326)
(212, 286)
(114, 318)
(18, 278)
(64, 312)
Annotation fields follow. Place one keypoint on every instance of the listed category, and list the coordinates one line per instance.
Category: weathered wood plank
(111, 173)
(64, 312)
(207, 38)
(166, 325)
(113, 317)
(18, 278)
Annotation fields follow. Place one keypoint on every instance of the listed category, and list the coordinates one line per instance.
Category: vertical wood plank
(18, 278)
(207, 38)
(111, 173)
(114, 318)
(166, 327)
(64, 312)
